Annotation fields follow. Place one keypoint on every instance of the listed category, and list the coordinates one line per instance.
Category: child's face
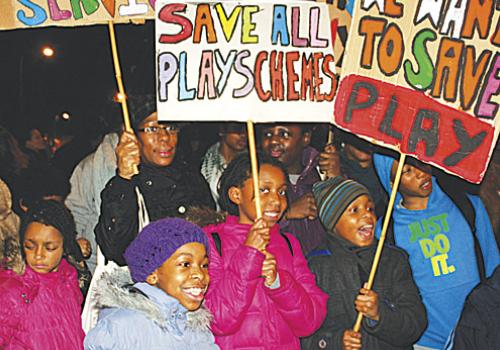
(272, 196)
(158, 148)
(286, 143)
(357, 223)
(416, 181)
(184, 275)
(43, 247)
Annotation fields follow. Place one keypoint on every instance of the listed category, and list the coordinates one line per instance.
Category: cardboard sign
(241, 61)
(16, 14)
(423, 77)
(340, 14)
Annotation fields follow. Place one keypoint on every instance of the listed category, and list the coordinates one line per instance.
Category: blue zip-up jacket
(145, 317)
(441, 250)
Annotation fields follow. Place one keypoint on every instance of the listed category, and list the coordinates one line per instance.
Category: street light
(48, 51)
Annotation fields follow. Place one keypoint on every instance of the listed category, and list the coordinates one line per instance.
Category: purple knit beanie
(157, 242)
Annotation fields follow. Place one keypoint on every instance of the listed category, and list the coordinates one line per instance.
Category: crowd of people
(191, 264)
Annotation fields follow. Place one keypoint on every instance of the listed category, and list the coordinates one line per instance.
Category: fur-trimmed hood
(117, 290)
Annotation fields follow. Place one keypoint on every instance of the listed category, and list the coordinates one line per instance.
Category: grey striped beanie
(333, 196)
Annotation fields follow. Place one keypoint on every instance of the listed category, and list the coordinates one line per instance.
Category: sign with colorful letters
(16, 14)
(422, 76)
(248, 60)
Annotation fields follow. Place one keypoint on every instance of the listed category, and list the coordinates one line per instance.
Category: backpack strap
(218, 243)
(287, 241)
(464, 204)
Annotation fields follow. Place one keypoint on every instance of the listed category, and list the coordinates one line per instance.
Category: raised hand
(329, 161)
(128, 155)
(258, 236)
(304, 207)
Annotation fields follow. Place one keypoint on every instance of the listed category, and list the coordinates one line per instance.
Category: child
(262, 295)
(169, 264)
(290, 144)
(394, 316)
(431, 228)
(41, 308)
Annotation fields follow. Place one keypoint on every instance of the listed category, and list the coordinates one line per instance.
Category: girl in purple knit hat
(168, 261)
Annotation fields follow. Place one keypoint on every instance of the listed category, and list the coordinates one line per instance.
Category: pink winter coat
(249, 315)
(41, 311)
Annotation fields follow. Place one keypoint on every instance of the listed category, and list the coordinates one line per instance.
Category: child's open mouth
(195, 293)
(366, 232)
(426, 185)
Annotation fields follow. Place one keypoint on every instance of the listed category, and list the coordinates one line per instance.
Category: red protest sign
(416, 124)
(435, 69)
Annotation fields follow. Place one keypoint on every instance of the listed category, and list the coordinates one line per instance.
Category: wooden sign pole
(121, 90)
(255, 167)
(385, 225)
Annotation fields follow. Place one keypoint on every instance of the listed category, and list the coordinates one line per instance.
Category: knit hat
(333, 196)
(141, 106)
(157, 242)
(55, 214)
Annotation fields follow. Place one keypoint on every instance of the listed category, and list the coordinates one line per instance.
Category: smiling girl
(41, 308)
(262, 290)
(168, 262)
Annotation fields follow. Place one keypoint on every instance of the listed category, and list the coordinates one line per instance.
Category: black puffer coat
(341, 269)
(167, 192)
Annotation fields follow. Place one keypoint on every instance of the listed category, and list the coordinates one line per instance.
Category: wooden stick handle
(385, 225)
(119, 82)
(255, 167)
(118, 75)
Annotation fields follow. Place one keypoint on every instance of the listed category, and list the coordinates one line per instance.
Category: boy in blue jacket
(440, 244)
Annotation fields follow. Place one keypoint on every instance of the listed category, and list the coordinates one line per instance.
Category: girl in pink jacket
(262, 293)
(40, 309)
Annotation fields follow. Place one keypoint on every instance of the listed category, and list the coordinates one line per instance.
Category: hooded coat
(41, 311)
(440, 246)
(141, 316)
(249, 315)
(341, 269)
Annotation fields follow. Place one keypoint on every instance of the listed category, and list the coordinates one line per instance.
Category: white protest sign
(252, 60)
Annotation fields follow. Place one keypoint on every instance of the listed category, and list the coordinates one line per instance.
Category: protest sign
(422, 77)
(17, 14)
(241, 61)
(340, 14)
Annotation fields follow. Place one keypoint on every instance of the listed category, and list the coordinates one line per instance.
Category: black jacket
(479, 325)
(341, 269)
(167, 192)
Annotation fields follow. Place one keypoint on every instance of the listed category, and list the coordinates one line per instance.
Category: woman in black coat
(168, 186)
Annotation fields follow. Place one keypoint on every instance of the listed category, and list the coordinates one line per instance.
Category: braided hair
(237, 172)
(55, 214)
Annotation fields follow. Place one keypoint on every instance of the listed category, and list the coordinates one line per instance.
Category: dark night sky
(79, 78)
